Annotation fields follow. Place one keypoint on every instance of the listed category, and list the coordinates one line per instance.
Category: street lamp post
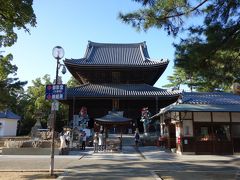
(58, 54)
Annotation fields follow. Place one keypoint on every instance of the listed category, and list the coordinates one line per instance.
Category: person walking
(95, 142)
(137, 138)
(84, 139)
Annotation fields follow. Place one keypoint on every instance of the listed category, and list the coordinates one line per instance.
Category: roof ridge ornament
(142, 54)
(144, 44)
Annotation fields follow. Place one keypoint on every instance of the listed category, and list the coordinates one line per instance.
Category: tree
(209, 56)
(34, 102)
(14, 15)
(171, 15)
(10, 86)
(178, 78)
(166, 14)
(73, 82)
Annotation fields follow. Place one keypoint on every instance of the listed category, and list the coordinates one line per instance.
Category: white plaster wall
(175, 116)
(9, 127)
(1, 128)
(202, 116)
(235, 117)
(186, 115)
(187, 128)
(221, 117)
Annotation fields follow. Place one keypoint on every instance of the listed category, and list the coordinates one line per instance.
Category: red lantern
(179, 140)
(83, 111)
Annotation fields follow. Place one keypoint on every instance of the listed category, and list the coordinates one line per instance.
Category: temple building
(202, 123)
(117, 77)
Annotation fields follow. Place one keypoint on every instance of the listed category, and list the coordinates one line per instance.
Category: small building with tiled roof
(202, 123)
(8, 123)
(117, 77)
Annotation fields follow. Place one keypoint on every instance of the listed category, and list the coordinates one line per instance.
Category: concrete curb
(32, 170)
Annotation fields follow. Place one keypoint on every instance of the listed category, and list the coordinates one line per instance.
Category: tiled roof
(210, 98)
(200, 108)
(118, 90)
(113, 118)
(135, 54)
(204, 102)
(9, 115)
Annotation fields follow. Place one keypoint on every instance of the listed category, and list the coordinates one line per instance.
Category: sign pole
(53, 126)
(53, 143)
(58, 54)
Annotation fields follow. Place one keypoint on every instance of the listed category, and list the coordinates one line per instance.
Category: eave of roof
(76, 63)
(113, 118)
(204, 102)
(204, 108)
(119, 90)
(9, 115)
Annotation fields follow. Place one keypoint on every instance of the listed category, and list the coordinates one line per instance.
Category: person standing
(100, 142)
(95, 142)
(84, 139)
(67, 138)
(80, 139)
(63, 143)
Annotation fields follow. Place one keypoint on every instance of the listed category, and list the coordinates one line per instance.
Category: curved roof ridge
(87, 50)
(116, 54)
(142, 54)
(91, 43)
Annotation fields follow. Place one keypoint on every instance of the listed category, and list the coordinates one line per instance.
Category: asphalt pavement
(147, 162)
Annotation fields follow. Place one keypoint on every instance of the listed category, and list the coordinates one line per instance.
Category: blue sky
(71, 24)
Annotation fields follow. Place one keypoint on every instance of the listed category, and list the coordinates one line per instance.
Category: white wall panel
(235, 117)
(221, 117)
(202, 116)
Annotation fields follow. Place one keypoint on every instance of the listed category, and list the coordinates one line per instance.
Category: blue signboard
(55, 92)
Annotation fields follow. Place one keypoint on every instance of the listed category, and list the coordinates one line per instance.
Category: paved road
(147, 163)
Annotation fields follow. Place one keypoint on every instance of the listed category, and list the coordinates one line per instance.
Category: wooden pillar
(230, 129)
(106, 136)
(157, 110)
(213, 144)
(121, 139)
(73, 106)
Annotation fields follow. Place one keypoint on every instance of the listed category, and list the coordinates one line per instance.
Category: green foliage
(14, 15)
(178, 78)
(208, 59)
(35, 107)
(211, 56)
(10, 86)
(169, 15)
(72, 82)
(31, 103)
